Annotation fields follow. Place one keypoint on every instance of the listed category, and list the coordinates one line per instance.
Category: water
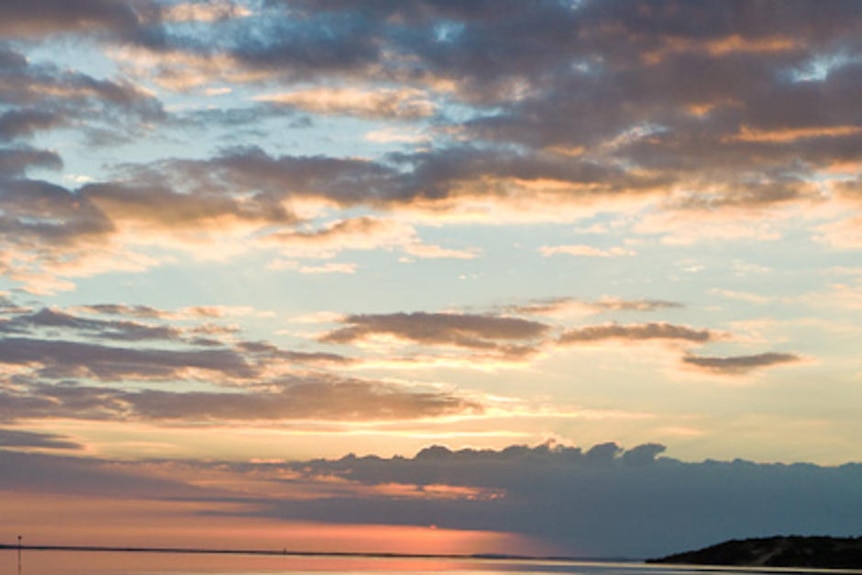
(133, 563)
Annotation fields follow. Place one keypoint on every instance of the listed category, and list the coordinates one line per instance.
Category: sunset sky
(258, 257)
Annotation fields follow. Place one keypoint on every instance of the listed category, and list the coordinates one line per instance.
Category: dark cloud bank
(604, 501)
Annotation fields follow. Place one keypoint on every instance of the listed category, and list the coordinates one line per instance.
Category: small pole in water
(19, 555)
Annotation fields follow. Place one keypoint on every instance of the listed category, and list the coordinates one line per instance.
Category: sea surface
(35, 562)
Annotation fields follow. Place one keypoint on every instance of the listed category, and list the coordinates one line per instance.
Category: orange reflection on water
(127, 563)
(90, 521)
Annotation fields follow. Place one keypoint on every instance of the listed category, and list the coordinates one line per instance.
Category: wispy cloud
(740, 364)
(406, 103)
(585, 251)
(637, 332)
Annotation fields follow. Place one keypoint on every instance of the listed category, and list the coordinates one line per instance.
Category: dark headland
(789, 551)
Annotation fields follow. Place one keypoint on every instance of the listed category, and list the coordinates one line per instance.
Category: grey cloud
(643, 454)
(305, 48)
(42, 473)
(58, 344)
(16, 161)
(39, 18)
(464, 330)
(74, 94)
(776, 192)
(15, 438)
(643, 331)
(24, 123)
(11, 59)
(606, 501)
(346, 181)
(169, 209)
(264, 352)
(114, 330)
(740, 364)
(318, 397)
(60, 359)
(39, 97)
(64, 400)
(346, 400)
(39, 215)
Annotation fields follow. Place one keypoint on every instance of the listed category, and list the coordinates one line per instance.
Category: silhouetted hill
(793, 551)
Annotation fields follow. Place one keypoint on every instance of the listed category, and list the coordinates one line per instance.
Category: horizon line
(300, 553)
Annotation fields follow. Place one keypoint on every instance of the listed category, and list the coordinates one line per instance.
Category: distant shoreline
(296, 553)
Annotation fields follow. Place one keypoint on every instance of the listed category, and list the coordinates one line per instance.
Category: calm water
(125, 563)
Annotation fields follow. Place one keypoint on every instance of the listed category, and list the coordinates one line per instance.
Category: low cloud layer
(604, 501)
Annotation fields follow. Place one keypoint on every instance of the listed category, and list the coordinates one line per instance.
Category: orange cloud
(404, 103)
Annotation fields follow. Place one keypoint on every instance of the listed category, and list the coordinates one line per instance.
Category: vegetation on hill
(790, 551)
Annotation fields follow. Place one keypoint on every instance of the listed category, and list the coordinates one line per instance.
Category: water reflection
(135, 563)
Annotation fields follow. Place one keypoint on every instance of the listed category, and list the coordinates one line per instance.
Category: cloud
(636, 332)
(842, 234)
(49, 365)
(64, 359)
(346, 400)
(605, 501)
(210, 12)
(45, 226)
(44, 474)
(141, 311)
(44, 95)
(363, 233)
(16, 161)
(560, 305)
(617, 304)
(11, 438)
(646, 131)
(327, 268)
(51, 232)
(404, 103)
(160, 208)
(741, 364)
(56, 344)
(318, 397)
(585, 251)
(460, 330)
(114, 330)
(24, 123)
(45, 17)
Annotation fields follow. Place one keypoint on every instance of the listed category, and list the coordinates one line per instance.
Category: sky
(552, 277)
